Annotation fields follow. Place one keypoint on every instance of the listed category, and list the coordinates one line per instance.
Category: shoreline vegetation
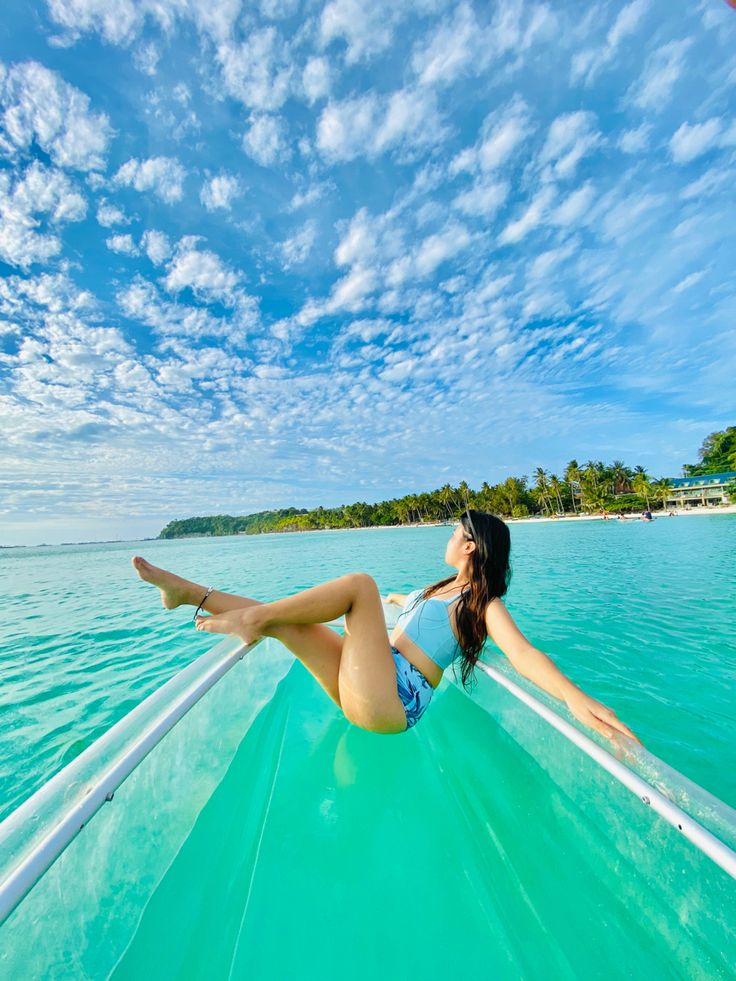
(588, 493)
(594, 490)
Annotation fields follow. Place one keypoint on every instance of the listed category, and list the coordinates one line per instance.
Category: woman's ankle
(265, 615)
(194, 593)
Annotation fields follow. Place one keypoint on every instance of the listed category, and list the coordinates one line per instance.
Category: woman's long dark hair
(489, 574)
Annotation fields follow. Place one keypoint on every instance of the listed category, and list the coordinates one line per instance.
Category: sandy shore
(679, 512)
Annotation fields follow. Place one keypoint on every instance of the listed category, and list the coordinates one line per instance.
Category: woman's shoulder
(495, 607)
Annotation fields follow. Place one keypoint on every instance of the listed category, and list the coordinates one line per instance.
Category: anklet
(204, 600)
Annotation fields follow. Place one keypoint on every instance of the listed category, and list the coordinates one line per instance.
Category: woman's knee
(362, 581)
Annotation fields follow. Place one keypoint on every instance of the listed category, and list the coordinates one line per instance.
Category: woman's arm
(539, 669)
(398, 598)
(527, 659)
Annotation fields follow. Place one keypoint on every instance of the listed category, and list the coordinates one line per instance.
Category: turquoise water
(640, 615)
(266, 837)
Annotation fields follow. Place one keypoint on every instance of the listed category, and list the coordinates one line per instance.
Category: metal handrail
(168, 704)
(37, 855)
(704, 840)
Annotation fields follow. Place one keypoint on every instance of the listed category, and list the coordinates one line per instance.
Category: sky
(290, 254)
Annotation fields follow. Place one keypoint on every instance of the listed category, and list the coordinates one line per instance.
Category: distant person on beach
(384, 684)
(647, 516)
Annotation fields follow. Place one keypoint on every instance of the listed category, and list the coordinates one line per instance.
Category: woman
(384, 686)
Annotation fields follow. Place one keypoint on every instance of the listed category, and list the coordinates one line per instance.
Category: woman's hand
(391, 598)
(597, 716)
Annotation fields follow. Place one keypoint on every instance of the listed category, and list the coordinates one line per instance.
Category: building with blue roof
(703, 491)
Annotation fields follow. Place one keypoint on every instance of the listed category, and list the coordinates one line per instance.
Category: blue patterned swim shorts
(414, 689)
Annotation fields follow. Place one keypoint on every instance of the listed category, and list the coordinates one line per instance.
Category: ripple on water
(639, 615)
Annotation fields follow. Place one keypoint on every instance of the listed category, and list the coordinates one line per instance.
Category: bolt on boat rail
(34, 835)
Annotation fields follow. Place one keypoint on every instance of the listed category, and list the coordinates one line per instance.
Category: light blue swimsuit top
(428, 624)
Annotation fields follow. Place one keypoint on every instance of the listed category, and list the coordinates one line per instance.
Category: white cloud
(37, 105)
(266, 140)
(693, 141)
(316, 79)
(653, 89)
(534, 214)
(257, 72)
(141, 301)
(210, 279)
(635, 140)
(545, 262)
(36, 191)
(118, 24)
(350, 291)
(588, 63)
(710, 183)
(510, 33)
(437, 248)
(156, 245)
(570, 137)
(483, 198)
(122, 244)
(346, 128)
(689, 281)
(574, 207)
(301, 198)
(627, 217)
(146, 57)
(296, 249)
(370, 125)
(410, 118)
(220, 192)
(121, 22)
(503, 131)
(359, 243)
(279, 9)
(457, 46)
(163, 176)
(109, 215)
(366, 28)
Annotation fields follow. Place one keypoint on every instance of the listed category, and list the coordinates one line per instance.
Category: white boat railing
(704, 840)
(38, 831)
(30, 843)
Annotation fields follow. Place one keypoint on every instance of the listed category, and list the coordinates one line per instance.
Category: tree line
(590, 488)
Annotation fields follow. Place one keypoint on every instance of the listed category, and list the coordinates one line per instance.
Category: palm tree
(641, 485)
(446, 496)
(572, 476)
(540, 479)
(621, 476)
(590, 471)
(594, 496)
(661, 489)
(402, 511)
(556, 488)
(485, 496)
(511, 492)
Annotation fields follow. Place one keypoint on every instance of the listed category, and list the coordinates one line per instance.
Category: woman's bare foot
(175, 591)
(248, 623)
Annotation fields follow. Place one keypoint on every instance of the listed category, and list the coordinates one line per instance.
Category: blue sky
(281, 253)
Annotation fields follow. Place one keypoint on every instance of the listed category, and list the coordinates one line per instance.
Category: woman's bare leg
(367, 676)
(318, 647)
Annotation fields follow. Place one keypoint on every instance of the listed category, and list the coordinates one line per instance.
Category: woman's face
(455, 553)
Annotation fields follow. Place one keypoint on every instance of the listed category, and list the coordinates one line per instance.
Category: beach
(533, 519)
